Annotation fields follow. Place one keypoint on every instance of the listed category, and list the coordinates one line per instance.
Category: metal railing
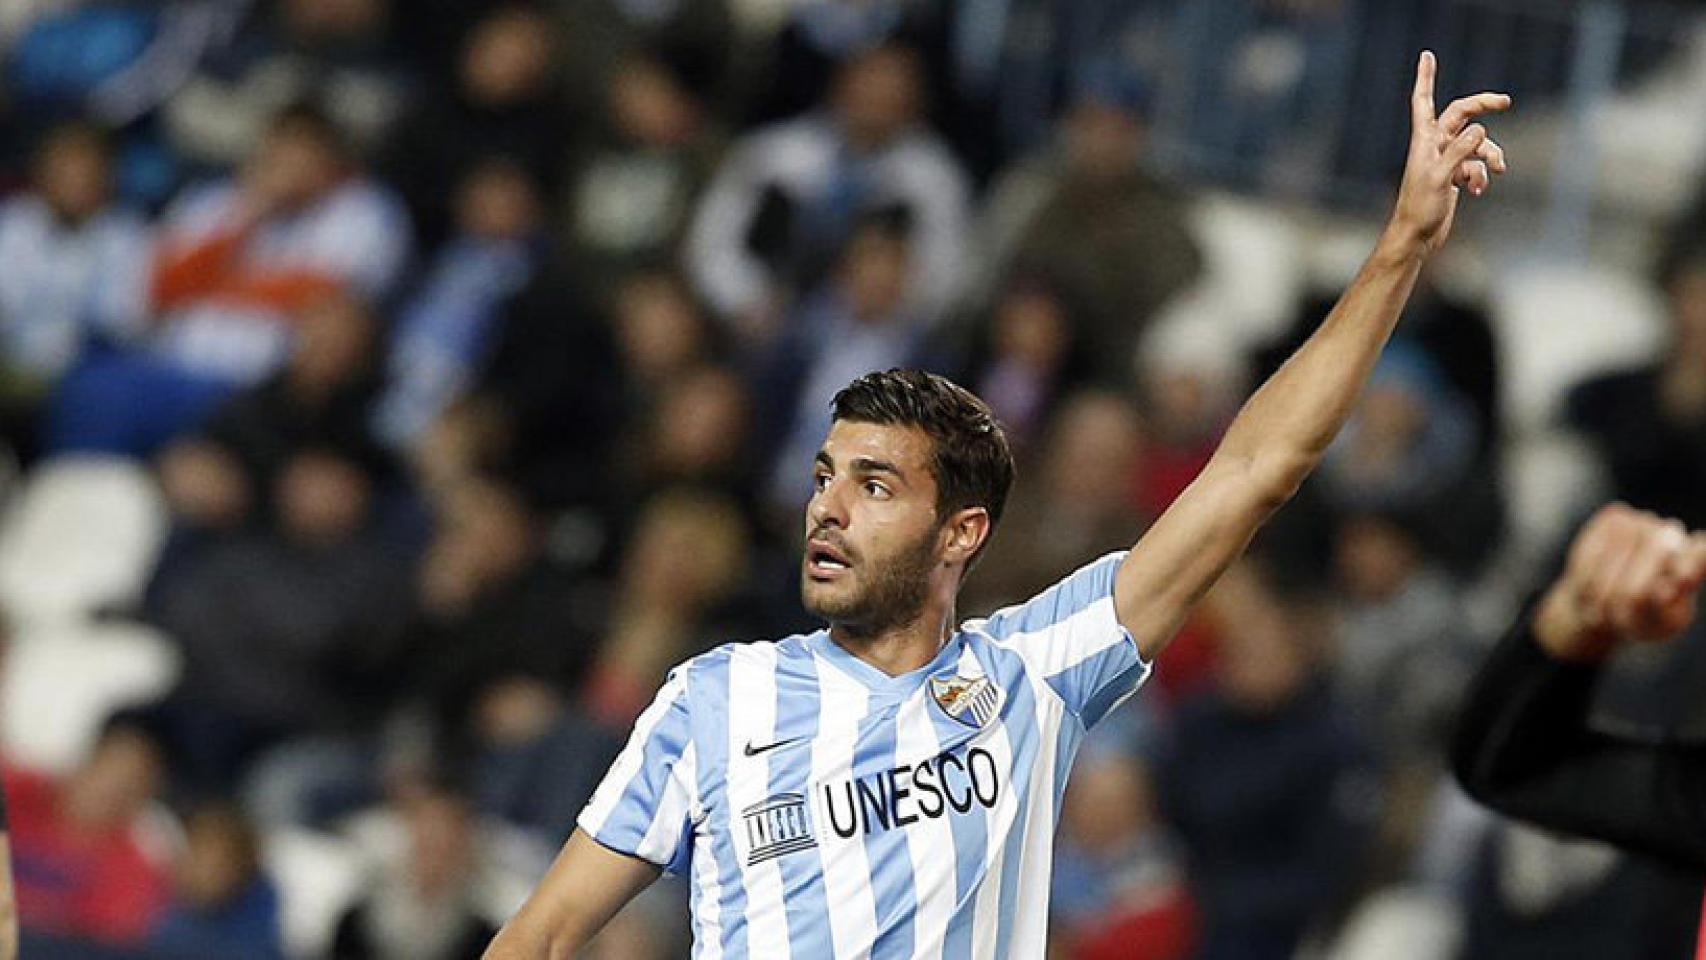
(1307, 100)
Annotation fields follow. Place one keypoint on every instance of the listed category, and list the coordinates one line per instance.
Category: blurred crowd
(479, 351)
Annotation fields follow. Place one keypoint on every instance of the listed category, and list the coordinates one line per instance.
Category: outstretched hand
(1448, 153)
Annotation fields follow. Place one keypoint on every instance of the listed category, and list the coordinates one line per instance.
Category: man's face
(74, 175)
(878, 96)
(871, 527)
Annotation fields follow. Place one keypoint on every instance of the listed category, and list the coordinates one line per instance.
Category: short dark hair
(971, 462)
(77, 130)
(309, 117)
(1683, 252)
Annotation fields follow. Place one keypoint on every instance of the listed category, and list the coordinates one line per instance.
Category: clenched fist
(1631, 575)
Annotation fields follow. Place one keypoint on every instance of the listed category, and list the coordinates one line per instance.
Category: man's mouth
(825, 561)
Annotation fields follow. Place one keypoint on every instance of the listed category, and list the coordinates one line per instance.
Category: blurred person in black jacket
(1525, 745)
(224, 476)
(1649, 423)
(502, 101)
(282, 579)
(1267, 780)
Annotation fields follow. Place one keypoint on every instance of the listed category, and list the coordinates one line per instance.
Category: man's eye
(820, 481)
(875, 489)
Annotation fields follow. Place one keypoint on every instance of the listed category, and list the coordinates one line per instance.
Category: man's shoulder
(1091, 582)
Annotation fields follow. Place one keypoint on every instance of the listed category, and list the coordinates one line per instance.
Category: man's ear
(966, 531)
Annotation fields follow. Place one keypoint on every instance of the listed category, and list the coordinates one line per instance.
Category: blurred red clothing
(72, 881)
(1166, 470)
(1155, 928)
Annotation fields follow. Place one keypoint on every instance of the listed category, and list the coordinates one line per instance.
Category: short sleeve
(645, 805)
(1071, 635)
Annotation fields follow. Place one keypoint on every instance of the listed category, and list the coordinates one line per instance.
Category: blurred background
(391, 392)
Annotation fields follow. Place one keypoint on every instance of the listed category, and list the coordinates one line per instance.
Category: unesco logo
(776, 827)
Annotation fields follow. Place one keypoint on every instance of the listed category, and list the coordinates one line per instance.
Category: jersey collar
(877, 681)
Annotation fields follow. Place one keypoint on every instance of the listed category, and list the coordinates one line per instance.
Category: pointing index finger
(1422, 98)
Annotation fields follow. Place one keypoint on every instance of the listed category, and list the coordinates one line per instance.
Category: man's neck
(902, 648)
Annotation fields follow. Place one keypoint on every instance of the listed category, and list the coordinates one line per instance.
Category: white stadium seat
(1559, 323)
(82, 533)
(59, 683)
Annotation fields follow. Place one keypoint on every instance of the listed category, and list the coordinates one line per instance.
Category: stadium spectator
(1648, 424)
(788, 197)
(236, 260)
(661, 333)
(696, 39)
(490, 604)
(545, 410)
(1403, 652)
(695, 435)
(1029, 354)
(860, 320)
(816, 40)
(336, 54)
(501, 101)
(1265, 780)
(1119, 889)
(76, 274)
(1412, 449)
(535, 756)
(1089, 215)
(632, 185)
(1403, 655)
(287, 591)
(1190, 379)
(423, 908)
(681, 576)
(1454, 332)
(225, 476)
(82, 866)
(114, 64)
(223, 906)
(285, 633)
(1259, 68)
(1003, 73)
(494, 642)
(445, 329)
(1079, 505)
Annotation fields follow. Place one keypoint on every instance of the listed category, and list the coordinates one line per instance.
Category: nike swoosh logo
(753, 751)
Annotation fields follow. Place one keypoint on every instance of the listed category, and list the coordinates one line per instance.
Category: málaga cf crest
(972, 701)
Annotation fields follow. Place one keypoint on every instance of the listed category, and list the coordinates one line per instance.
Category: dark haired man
(888, 787)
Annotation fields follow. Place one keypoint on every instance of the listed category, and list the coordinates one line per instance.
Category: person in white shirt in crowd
(76, 270)
(789, 195)
(235, 260)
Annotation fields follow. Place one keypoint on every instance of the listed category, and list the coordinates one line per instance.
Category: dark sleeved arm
(1524, 747)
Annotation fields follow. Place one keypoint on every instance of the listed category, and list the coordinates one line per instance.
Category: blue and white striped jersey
(824, 809)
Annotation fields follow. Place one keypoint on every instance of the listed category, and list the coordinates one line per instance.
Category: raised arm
(1284, 428)
(585, 887)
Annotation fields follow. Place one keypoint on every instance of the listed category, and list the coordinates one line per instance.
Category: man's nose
(827, 507)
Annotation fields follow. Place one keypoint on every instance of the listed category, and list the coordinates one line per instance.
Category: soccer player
(888, 787)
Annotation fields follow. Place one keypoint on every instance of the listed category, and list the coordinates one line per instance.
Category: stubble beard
(894, 595)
